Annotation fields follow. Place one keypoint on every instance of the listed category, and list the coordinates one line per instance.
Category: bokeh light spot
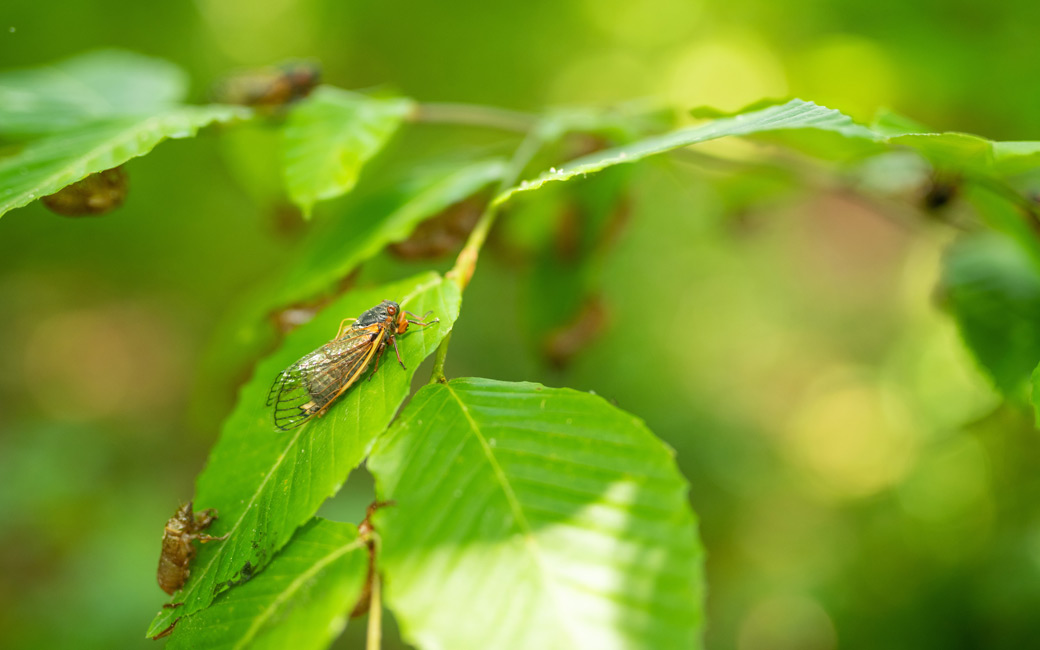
(649, 23)
(788, 622)
(725, 72)
(851, 438)
(849, 73)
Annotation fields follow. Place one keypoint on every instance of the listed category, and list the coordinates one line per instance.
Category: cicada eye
(391, 309)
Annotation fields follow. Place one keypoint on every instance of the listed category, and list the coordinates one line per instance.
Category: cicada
(177, 550)
(269, 88)
(308, 387)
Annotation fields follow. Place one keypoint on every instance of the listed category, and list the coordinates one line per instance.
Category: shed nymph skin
(177, 549)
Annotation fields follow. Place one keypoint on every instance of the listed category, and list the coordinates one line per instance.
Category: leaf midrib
(532, 544)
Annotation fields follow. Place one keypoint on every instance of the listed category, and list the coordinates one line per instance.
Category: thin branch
(375, 615)
(474, 115)
(437, 375)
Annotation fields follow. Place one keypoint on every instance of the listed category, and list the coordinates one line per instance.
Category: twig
(375, 615)
(474, 115)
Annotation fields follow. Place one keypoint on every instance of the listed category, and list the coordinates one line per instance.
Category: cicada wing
(303, 389)
(334, 381)
(290, 397)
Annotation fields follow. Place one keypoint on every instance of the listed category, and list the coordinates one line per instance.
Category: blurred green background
(858, 484)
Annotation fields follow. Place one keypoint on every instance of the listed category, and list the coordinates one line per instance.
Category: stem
(437, 376)
(474, 115)
(375, 615)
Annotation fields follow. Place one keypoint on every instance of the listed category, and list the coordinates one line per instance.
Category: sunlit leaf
(45, 166)
(265, 482)
(301, 600)
(87, 88)
(330, 136)
(538, 518)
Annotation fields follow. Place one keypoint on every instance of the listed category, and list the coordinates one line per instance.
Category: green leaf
(87, 88)
(336, 246)
(265, 482)
(888, 122)
(330, 136)
(339, 245)
(818, 131)
(993, 289)
(622, 123)
(796, 115)
(301, 600)
(542, 518)
(45, 166)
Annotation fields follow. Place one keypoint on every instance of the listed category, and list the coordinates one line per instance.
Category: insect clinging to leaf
(177, 550)
(308, 387)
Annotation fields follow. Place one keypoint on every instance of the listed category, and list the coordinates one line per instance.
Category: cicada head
(385, 313)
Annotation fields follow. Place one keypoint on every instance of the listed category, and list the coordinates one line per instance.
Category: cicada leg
(379, 354)
(418, 319)
(393, 339)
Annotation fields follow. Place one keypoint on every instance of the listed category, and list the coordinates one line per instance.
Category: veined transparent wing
(307, 387)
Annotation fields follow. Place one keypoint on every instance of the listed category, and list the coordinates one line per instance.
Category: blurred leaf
(998, 213)
(539, 517)
(329, 137)
(265, 482)
(1010, 158)
(252, 153)
(340, 244)
(45, 166)
(888, 122)
(87, 88)
(622, 123)
(993, 287)
(301, 600)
